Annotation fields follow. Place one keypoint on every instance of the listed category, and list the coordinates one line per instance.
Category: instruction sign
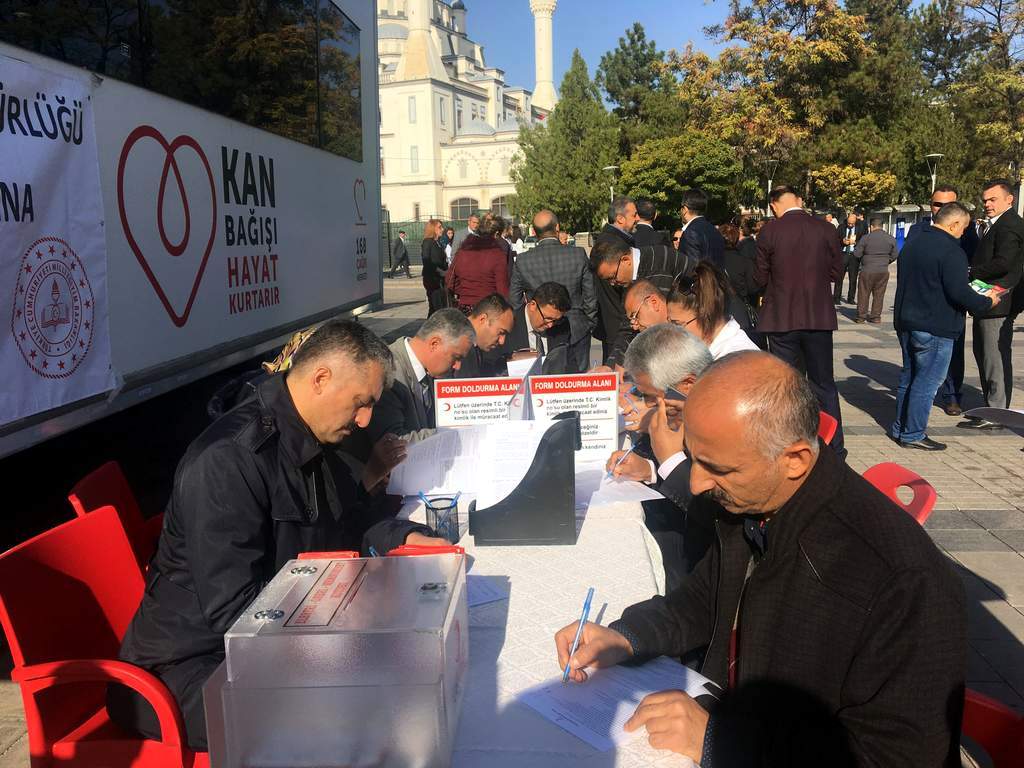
(464, 402)
(595, 396)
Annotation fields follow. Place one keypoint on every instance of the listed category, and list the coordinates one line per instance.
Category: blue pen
(579, 633)
(373, 552)
(622, 458)
(444, 521)
(631, 391)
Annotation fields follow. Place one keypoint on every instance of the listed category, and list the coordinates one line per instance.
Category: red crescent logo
(173, 249)
(447, 406)
(540, 402)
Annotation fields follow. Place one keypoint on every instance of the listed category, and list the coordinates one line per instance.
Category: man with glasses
(645, 306)
(537, 328)
(677, 236)
(951, 392)
(621, 225)
(617, 264)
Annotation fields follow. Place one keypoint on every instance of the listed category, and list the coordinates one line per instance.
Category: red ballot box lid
(407, 550)
(343, 554)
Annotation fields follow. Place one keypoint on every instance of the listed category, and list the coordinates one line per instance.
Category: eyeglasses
(937, 205)
(636, 313)
(548, 322)
(675, 239)
(686, 285)
(615, 278)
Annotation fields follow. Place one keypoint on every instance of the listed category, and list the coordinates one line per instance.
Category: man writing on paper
(836, 626)
(492, 321)
(261, 484)
(664, 362)
(541, 315)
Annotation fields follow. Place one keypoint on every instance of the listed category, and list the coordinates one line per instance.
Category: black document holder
(542, 508)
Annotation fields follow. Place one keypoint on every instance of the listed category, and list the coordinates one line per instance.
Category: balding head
(751, 431)
(545, 224)
(645, 305)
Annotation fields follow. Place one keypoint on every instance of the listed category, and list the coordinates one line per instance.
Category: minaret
(544, 95)
(420, 58)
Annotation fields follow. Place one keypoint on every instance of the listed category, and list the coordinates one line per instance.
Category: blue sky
(505, 29)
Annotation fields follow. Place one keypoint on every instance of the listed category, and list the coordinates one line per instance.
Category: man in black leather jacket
(261, 484)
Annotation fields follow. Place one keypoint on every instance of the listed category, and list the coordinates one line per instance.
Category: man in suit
(950, 394)
(851, 233)
(400, 256)
(492, 318)
(999, 261)
(472, 228)
(701, 239)
(406, 408)
(798, 256)
(617, 264)
(536, 328)
(621, 225)
(645, 233)
(874, 253)
(551, 262)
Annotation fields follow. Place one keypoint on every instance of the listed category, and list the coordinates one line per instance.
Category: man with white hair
(834, 626)
(665, 361)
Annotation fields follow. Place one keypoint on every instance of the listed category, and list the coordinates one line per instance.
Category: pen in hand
(579, 633)
(622, 458)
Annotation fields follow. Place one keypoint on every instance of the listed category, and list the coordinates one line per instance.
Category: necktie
(538, 342)
(983, 226)
(426, 393)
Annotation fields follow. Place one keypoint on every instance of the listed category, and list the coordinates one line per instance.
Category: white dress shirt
(417, 366)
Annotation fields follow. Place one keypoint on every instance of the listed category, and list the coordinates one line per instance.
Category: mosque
(448, 121)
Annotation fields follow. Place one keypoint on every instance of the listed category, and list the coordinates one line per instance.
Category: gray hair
(667, 354)
(951, 212)
(347, 337)
(450, 324)
(779, 410)
(618, 207)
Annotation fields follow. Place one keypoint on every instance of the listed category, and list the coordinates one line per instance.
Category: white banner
(53, 270)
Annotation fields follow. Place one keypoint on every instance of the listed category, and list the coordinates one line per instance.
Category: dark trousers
(851, 268)
(993, 339)
(185, 681)
(811, 353)
(872, 287)
(402, 265)
(951, 390)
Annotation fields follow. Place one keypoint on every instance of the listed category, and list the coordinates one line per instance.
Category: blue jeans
(925, 362)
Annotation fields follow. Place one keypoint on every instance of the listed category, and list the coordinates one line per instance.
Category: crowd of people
(832, 622)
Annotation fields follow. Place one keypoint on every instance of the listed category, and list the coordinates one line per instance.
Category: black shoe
(953, 409)
(979, 424)
(924, 444)
(850, 301)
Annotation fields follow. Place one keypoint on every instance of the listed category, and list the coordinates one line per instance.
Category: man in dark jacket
(400, 256)
(540, 327)
(851, 232)
(621, 224)
(645, 233)
(701, 239)
(999, 261)
(551, 262)
(797, 258)
(617, 264)
(951, 392)
(492, 319)
(835, 627)
(262, 484)
(932, 295)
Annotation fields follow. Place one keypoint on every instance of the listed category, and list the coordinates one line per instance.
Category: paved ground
(979, 517)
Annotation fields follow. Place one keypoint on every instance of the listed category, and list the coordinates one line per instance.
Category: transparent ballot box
(345, 662)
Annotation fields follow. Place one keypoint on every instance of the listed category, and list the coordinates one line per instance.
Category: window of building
(415, 211)
(463, 169)
(475, 112)
(464, 207)
(412, 109)
(179, 49)
(414, 159)
(500, 206)
(458, 117)
(442, 110)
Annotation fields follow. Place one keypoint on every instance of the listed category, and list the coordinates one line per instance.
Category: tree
(943, 41)
(848, 186)
(662, 169)
(561, 162)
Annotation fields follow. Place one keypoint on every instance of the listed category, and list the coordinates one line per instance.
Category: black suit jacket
(435, 264)
(663, 266)
(550, 261)
(999, 259)
(556, 341)
(645, 234)
(609, 298)
(702, 240)
(479, 365)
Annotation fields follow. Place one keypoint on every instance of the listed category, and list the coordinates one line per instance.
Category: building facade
(448, 121)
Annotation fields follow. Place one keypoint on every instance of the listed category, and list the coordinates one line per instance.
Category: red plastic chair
(66, 599)
(108, 485)
(827, 426)
(887, 477)
(995, 728)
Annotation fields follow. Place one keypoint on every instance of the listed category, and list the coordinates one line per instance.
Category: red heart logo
(173, 249)
(359, 195)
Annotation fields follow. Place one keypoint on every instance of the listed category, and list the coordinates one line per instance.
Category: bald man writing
(835, 626)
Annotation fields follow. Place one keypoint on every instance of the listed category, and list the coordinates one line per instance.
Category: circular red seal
(54, 307)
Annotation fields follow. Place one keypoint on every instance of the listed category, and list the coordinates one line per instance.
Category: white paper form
(597, 710)
(594, 485)
(484, 460)
(524, 366)
(481, 590)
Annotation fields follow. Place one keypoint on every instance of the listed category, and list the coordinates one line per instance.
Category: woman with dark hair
(517, 240)
(700, 304)
(449, 238)
(738, 264)
(480, 268)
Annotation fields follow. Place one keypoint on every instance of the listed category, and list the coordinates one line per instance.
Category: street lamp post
(611, 187)
(933, 166)
(771, 165)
